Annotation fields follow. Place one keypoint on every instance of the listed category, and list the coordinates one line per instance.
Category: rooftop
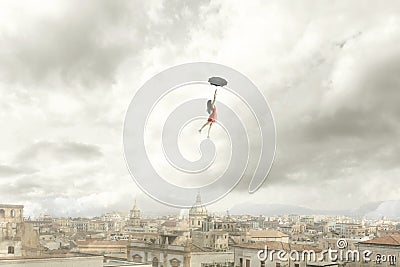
(11, 206)
(102, 243)
(52, 256)
(269, 233)
(391, 240)
(275, 245)
(198, 208)
(189, 246)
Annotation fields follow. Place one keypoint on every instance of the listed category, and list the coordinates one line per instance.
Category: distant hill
(389, 209)
(373, 210)
(268, 209)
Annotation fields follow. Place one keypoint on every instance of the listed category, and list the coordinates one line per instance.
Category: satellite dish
(217, 81)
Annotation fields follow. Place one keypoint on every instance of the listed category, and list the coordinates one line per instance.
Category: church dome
(135, 212)
(198, 209)
(135, 207)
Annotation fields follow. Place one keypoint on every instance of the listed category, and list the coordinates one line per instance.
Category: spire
(198, 199)
(198, 208)
(135, 207)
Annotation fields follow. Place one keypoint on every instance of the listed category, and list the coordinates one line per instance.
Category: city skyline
(367, 212)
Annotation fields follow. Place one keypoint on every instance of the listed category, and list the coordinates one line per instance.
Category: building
(197, 214)
(326, 243)
(111, 262)
(385, 251)
(293, 218)
(215, 239)
(62, 260)
(298, 228)
(188, 255)
(134, 216)
(17, 238)
(309, 220)
(350, 230)
(268, 235)
(115, 249)
(246, 255)
(226, 224)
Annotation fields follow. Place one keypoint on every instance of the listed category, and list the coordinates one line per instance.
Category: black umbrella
(217, 81)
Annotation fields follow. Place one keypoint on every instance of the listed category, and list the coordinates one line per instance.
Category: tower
(135, 215)
(197, 214)
(17, 238)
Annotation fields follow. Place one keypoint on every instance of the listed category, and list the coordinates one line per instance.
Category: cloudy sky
(68, 70)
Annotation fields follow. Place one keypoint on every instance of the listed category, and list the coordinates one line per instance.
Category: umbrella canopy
(217, 81)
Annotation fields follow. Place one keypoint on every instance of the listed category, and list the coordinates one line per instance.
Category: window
(10, 250)
(175, 262)
(2, 213)
(240, 262)
(137, 258)
(296, 265)
(262, 263)
(278, 264)
(198, 222)
(12, 213)
(247, 263)
(155, 262)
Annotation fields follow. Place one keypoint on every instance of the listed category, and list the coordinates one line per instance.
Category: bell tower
(135, 216)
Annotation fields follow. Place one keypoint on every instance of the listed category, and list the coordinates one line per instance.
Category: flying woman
(212, 110)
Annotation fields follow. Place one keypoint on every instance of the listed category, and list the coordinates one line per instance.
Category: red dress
(213, 115)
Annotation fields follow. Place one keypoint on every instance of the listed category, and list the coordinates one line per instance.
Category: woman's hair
(209, 106)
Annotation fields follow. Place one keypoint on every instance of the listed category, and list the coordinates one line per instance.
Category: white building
(134, 216)
(385, 251)
(246, 255)
(197, 214)
(64, 260)
(189, 255)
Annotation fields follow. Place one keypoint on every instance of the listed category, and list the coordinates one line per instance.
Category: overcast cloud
(68, 70)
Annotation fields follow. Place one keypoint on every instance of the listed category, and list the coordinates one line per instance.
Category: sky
(69, 69)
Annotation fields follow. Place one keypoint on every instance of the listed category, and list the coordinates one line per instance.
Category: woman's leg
(205, 124)
(208, 135)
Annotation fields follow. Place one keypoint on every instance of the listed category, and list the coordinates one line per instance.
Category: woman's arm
(215, 97)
